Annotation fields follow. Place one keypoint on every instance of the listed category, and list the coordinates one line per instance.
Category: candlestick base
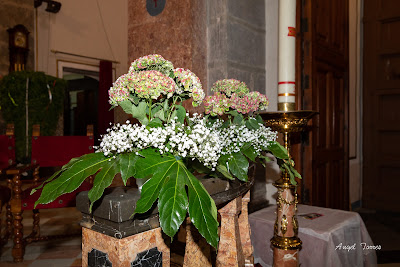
(287, 121)
(286, 225)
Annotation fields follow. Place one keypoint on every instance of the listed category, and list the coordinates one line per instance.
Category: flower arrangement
(168, 145)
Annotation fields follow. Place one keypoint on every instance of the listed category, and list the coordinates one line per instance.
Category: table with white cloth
(337, 238)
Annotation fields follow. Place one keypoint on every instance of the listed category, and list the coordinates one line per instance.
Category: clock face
(20, 40)
(155, 7)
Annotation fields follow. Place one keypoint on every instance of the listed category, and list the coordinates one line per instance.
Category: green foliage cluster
(45, 103)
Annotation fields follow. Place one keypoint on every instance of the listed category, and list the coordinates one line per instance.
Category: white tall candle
(287, 53)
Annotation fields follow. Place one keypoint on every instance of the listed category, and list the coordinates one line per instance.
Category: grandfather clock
(18, 46)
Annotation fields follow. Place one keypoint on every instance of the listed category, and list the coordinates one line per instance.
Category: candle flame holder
(285, 240)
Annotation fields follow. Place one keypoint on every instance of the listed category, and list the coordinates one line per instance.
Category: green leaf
(73, 177)
(292, 178)
(153, 165)
(160, 114)
(166, 105)
(155, 122)
(278, 150)
(137, 111)
(127, 165)
(173, 201)
(259, 119)
(233, 112)
(202, 209)
(252, 124)
(169, 176)
(237, 164)
(224, 171)
(199, 167)
(135, 99)
(226, 124)
(238, 119)
(249, 152)
(103, 180)
(294, 171)
(63, 168)
(180, 113)
(156, 109)
(264, 159)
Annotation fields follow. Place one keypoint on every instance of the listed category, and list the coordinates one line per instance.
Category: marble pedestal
(111, 238)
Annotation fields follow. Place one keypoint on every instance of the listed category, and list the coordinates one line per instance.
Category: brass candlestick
(285, 241)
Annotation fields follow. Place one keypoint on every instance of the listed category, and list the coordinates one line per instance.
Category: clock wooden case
(18, 47)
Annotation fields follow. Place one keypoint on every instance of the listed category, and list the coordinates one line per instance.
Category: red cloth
(105, 115)
(66, 200)
(7, 151)
(52, 151)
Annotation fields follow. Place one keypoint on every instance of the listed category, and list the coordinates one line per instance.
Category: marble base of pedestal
(143, 249)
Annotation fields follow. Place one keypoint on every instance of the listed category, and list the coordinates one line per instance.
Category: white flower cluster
(196, 141)
(236, 136)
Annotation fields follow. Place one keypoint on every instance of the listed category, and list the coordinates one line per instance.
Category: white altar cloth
(338, 238)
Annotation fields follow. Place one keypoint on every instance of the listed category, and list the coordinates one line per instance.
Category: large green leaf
(152, 164)
(51, 178)
(173, 201)
(167, 183)
(127, 165)
(202, 209)
(72, 177)
(103, 180)
(169, 176)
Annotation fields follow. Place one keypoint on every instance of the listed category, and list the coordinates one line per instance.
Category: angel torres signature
(364, 246)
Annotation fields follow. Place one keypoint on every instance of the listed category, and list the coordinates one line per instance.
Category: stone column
(230, 252)
(245, 231)
(197, 251)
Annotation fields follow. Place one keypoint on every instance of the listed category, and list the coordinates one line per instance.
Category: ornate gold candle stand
(285, 241)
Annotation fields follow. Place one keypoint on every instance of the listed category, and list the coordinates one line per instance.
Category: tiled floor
(54, 253)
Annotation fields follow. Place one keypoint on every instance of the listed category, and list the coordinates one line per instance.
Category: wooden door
(324, 88)
(381, 100)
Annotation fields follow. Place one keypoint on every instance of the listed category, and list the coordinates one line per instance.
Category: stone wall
(178, 33)
(236, 42)
(236, 49)
(14, 12)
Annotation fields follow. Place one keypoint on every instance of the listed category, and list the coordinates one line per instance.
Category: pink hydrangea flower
(152, 84)
(235, 95)
(119, 91)
(191, 84)
(230, 86)
(151, 62)
(216, 104)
